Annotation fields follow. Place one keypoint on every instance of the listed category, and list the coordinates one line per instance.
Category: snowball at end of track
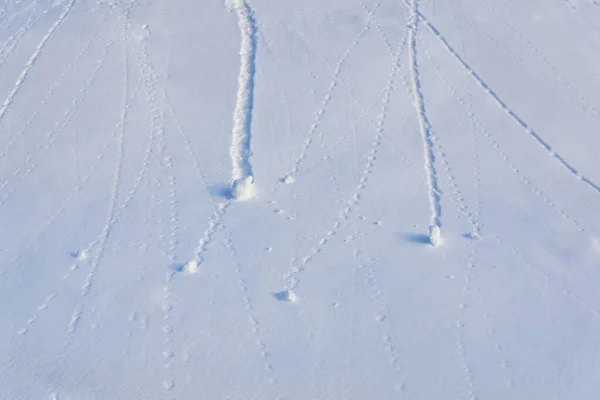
(190, 267)
(243, 188)
(81, 255)
(435, 237)
(286, 295)
(287, 179)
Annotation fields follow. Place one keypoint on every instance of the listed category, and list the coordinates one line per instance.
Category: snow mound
(435, 235)
(243, 188)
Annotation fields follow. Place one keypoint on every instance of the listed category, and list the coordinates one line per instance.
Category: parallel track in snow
(506, 108)
(308, 140)
(502, 153)
(298, 267)
(33, 58)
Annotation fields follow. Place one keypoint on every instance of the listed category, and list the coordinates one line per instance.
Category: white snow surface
(123, 124)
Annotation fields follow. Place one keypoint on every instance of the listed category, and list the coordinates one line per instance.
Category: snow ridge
(242, 117)
(425, 126)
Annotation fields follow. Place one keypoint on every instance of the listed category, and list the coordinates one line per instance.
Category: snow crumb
(190, 267)
(286, 295)
(243, 188)
(435, 235)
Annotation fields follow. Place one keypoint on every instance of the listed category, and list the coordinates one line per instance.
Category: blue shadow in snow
(178, 267)
(223, 191)
(414, 237)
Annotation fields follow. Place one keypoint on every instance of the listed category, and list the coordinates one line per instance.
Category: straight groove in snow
(240, 150)
(425, 126)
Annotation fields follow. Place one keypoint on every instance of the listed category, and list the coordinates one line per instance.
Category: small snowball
(81, 255)
(242, 189)
(190, 267)
(286, 295)
(287, 179)
(474, 235)
(434, 235)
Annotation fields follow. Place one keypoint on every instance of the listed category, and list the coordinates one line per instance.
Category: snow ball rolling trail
(426, 131)
(437, 236)
(240, 151)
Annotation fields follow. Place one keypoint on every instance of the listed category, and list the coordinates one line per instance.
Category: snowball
(242, 189)
(434, 235)
(81, 255)
(474, 235)
(287, 179)
(190, 267)
(286, 295)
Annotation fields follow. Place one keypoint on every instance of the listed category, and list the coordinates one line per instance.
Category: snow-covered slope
(234, 199)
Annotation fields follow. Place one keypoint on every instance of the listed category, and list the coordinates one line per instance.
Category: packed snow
(260, 199)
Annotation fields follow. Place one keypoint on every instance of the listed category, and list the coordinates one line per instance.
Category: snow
(190, 267)
(435, 237)
(286, 295)
(243, 188)
(81, 255)
(424, 214)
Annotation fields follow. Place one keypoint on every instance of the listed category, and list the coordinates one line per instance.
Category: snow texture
(423, 179)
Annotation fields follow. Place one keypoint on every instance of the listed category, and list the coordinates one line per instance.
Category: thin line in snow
(31, 62)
